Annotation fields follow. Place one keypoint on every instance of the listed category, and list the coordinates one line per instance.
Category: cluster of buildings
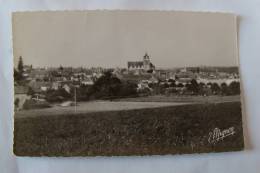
(42, 79)
(145, 73)
(142, 73)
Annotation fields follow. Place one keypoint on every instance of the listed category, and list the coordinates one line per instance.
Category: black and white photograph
(122, 82)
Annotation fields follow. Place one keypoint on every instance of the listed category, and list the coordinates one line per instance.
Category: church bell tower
(146, 62)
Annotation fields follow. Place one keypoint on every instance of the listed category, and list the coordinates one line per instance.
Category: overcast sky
(111, 38)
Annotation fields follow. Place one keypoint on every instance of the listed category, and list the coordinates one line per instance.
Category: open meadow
(93, 106)
(184, 99)
(150, 129)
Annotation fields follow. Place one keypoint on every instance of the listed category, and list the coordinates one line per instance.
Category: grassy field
(94, 106)
(157, 130)
(183, 98)
(126, 104)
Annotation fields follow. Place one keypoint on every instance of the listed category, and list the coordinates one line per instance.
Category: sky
(111, 38)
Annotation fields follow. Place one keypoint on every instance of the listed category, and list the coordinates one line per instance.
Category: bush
(128, 89)
(193, 87)
(215, 88)
(109, 86)
(32, 104)
(234, 88)
(57, 95)
(16, 102)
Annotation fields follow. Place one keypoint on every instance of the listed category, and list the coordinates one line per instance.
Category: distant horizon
(66, 66)
(156, 68)
(166, 67)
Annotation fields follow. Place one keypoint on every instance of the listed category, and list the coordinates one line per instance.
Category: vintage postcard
(110, 83)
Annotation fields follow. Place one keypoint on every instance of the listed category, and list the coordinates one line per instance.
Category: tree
(57, 95)
(61, 68)
(172, 83)
(180, 85)
(30, 91)
(16, 102)
(18, 74)
(105, 86)
(215, 88)
(109, 86)
(20, 65)
(193, 87)
(224, 89)
(150, 71)
(82, 93)
(234, 88)
(128, 89)
(202, 88)
(166, 85)
(209, 84)
(201, 84)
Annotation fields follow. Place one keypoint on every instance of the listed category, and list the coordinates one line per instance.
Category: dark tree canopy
(193, 86)
(18, 74)
(109, 86)
(215, 88)
(234, 88)
(57, 95)
(225, 89)
(20, 65)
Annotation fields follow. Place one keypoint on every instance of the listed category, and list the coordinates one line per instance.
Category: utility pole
(75, 99)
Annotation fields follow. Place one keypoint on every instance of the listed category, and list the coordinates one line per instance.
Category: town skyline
(121, 67)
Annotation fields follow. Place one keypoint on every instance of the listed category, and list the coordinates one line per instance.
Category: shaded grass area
(183, 98)
(150, 131)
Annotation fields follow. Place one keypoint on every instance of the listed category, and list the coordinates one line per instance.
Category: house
(185, 76)
(39, 74)
(56, 85)
(142, 86)
(38, 97)
(20, 96)
(67, 85)
(67, 88)
(135, 79)
(39, 86)
(218, 81)
(153, 80)
(87, 81)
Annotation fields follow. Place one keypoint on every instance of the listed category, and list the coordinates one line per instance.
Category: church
(145, 65)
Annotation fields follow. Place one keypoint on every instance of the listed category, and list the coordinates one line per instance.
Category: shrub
(32, 104)
(57, 95)
(234, 88)
(109, 86)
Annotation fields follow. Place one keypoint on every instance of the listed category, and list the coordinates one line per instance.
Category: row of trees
(232, 89)
(195, 88)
